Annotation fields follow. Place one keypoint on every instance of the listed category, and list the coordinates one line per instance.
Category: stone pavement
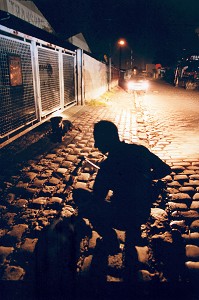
(38, 247)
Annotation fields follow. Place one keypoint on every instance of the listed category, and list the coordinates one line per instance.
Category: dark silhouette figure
(60, 127)
(128, 172)
(57, 128)
(53, 272)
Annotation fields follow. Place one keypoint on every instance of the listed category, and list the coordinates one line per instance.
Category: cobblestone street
(36, 185)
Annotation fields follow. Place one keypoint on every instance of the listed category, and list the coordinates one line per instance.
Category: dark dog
(56, 255)
(60, 127)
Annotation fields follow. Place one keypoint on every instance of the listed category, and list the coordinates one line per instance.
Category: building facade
(27, 11)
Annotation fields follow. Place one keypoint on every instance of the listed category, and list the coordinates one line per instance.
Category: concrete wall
(95, 77)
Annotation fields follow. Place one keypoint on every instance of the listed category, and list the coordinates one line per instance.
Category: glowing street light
(121, 42)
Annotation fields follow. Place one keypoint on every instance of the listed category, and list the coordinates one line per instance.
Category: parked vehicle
(187, 73)
(150, 69)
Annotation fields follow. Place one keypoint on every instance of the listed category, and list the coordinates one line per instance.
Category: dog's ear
(55, 122)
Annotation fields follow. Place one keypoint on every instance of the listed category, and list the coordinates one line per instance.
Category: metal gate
(69, 78)
(38, 78)
(49, 80)
(16, 85)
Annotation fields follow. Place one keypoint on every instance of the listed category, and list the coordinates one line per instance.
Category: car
(137, 83)
(187, 73)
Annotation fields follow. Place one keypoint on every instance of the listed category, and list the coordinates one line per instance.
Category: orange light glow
(121, 42)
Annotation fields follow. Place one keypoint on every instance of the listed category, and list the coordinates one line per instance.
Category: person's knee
(83, 201)
(81, 195)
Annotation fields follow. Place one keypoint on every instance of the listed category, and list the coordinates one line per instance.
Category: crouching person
(128, 171)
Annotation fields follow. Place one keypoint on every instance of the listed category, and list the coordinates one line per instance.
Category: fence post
(36, 79)
(79, 76)
(61, 79)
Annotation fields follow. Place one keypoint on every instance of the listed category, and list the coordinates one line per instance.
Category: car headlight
(141, 85)
(145, 85)
(131, 85)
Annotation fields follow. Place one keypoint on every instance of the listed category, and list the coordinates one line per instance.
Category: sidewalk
(36, 190)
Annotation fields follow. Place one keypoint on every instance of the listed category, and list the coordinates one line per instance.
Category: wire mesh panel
(16, 85)
(49, 79)
(69, 79)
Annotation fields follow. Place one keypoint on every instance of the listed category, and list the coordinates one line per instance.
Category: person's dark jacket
(128, 171)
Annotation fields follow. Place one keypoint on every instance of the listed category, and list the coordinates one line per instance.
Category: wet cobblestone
(37, 191)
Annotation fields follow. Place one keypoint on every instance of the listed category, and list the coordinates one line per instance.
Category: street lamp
(121, 43)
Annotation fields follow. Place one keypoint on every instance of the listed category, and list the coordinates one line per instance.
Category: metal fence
(38, 78)
(17, 98)
(69, 79)
(49, 80)
(35, 81)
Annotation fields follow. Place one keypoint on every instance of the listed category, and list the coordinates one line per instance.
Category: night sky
(155, 30)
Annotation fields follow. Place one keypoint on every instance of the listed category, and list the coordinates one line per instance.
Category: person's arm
(159, 168)
(100, 187)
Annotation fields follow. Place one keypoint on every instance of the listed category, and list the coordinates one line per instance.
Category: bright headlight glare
(145, 85)
(131, 85)
(138, 85)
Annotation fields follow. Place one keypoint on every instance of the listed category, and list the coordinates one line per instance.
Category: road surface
(174, 111)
